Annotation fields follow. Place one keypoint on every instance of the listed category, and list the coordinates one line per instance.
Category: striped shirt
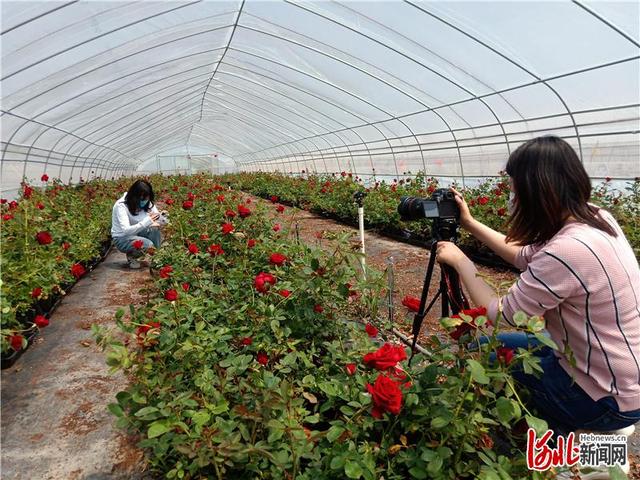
(586, 284)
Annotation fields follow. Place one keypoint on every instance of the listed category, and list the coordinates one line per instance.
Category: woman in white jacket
(134, 222)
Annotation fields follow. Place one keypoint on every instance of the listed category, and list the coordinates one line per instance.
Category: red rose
(607, 179)
(186, 287)
(171, 295)
(280, 209)
(386, 396)
(466, 327)
(277, 259)
(215, 249)
(13, 205)
(263, 280)
(3, 201)
(274, 199)
(44, 178)
(385, 357)
(27, 191)
(243, 211)
(246, 341)
(77, 270)
(220, 198)
(16, 342)
(230, 214)
(137, 244)
(44, 238)
(227, 228)
(343, 174)
(502, 212)
(36, 292)
(284, 293)
(66, 246)
(166, 271)
(505, 355)
(40, 206)
(262, 358)
(411, 303)
(217, 187)
(193, 248)
(169, 201)
(483, 200)
(276, 227)
(371, 330)
(497, 192)
(318, 308)
(191, 196)
(7, 216)
(251, 243)
(187, 204)
(41, 321)
(204, 236)
(351, 368)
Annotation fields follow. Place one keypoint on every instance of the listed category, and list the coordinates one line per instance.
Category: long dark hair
(550, 185)
(139, 190)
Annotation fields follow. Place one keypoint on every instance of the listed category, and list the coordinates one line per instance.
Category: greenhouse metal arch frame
(374, 89)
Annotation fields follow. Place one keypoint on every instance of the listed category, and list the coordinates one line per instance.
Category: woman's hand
(154, 215)
(465, 215)
(450, 254)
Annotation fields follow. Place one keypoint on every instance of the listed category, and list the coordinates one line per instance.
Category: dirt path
(55, 422)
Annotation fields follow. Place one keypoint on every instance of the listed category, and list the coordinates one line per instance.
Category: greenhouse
(320, 240)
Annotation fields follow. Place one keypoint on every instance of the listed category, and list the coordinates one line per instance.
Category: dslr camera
(441, 208)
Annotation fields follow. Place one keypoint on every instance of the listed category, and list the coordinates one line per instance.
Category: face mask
(143, 203)
(511, 203)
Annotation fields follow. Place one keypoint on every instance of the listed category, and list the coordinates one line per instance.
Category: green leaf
(448, 322)
(146, 411)
(504, 408)
(201, 418)
(520, 318)
(334, 433)
(546, 340)
(434, 465)
(337, 463)
(157, 428)
(536, 323)
(439, 422)
(116, 409)
(539, 425)
(353, 469)
(477, 372)
(417, 472)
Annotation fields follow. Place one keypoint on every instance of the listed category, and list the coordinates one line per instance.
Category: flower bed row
(50, 238)
(251, 360)
(332, 196)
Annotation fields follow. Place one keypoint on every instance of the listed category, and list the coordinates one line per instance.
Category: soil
(55, 422)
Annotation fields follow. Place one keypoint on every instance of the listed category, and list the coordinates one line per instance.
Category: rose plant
(241, 381)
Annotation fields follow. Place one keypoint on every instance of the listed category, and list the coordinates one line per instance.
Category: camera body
(441, 208)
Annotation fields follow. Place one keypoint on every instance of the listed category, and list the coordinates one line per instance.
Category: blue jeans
(557, 399)
(150, 237)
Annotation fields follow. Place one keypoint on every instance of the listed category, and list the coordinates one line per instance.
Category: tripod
(450, 289)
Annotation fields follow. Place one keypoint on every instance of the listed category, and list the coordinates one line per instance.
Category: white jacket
(124, 224)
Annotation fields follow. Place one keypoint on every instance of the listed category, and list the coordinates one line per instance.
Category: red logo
(541, 457)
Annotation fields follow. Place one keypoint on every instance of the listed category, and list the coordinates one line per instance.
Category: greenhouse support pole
(361, 226)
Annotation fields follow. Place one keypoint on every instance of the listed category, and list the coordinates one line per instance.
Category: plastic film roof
(450, 88)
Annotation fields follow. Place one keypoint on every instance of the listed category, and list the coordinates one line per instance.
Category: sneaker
(134, 264)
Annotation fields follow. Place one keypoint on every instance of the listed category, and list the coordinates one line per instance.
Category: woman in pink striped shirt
(578, 272)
